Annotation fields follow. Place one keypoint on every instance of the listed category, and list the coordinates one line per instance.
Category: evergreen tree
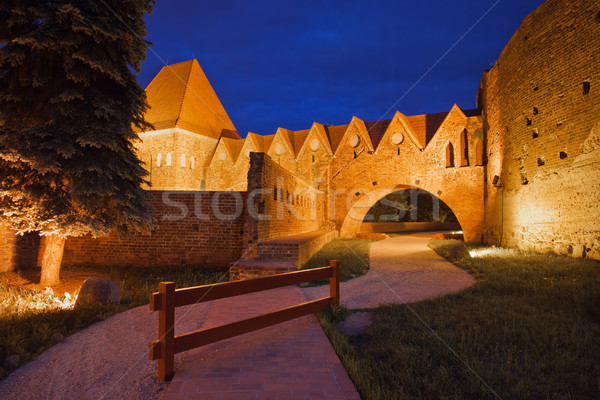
(69, 102)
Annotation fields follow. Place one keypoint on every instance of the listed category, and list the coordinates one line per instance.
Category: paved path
(292, 360)
(403, 270)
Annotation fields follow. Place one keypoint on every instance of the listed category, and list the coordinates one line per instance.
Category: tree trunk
(51, 260)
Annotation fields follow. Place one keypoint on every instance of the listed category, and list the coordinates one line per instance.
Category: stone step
(247, 269)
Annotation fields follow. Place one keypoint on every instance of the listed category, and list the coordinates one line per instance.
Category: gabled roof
(257, 140)
(267, 140)
(376, 130)
(298, 138)
(233, 146)
(335, 133)
(426, 125)
(181, 96)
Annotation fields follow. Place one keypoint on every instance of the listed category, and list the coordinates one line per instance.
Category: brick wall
(359, 177)
(192, 228)
(541, 105)
(178, 142)
(284, 204)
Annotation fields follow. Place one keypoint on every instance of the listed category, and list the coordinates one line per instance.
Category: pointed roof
(181, 96)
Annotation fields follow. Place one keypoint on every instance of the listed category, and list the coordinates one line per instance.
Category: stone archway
(470, 216)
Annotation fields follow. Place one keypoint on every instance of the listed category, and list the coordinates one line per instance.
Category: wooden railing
(167, 298)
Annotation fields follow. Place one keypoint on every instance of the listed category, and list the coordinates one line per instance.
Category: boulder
(459, 251)
(98, 290)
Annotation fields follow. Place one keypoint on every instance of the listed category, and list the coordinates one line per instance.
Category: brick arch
(470, 221)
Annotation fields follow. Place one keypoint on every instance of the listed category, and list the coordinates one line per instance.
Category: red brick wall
(543, 132)
(189, 231)
(297, 211)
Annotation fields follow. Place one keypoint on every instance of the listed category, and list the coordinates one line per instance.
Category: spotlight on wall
(496, 181)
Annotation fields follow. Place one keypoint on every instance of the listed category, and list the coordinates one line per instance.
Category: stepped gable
(180, 96)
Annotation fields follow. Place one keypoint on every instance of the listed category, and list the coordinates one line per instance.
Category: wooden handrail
(198, 294)
(167, 298)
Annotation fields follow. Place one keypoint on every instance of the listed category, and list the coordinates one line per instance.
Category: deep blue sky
(290, 63)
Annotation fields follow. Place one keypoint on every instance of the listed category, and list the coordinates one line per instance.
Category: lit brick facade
(537, 131)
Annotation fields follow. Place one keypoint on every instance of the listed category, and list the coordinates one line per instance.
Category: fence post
(334, 282)
(166, 331)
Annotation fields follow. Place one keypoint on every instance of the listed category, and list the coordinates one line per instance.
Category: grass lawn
(27, 331)
(529, 327)
(352, 253)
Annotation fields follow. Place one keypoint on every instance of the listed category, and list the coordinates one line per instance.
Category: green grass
(529, 327)
(353, 255)
(28, 332)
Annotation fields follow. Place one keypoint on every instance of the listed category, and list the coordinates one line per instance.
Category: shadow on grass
(353, 255)
(529, 327)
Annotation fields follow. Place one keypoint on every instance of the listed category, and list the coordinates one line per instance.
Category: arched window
(168, 160)
(464, 149)
(449, 155)
(202, 185)
(192, 162)
(158, 159)
(182, 160)
(478, 152)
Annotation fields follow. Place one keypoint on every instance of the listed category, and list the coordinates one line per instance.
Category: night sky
(291, 63)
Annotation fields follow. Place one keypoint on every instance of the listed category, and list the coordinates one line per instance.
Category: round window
(397, 138)
(354, 140)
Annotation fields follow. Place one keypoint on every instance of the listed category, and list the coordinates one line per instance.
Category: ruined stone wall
(192, 228)
(541, 106)
(182, 174)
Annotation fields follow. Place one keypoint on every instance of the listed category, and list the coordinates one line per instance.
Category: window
(182, 160)
(192, 162)
(158, 159)
(449, 155)
(168, 160)
(464, 149)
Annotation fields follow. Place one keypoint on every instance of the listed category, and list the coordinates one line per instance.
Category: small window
(182, 161)
(168, 160)
(275, 194)
(192, 162)
(464, 149)
(158, 159)
(449, 155)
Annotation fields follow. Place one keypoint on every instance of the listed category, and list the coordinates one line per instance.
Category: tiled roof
(181, 96)
(377, 129)
(426, 125)
(298, 138)
(233, 146)
(335, 133)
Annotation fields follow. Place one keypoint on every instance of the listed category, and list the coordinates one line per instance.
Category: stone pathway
(292, 360)
(403, 270)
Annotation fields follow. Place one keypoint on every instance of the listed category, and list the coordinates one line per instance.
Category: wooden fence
(167, 298)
